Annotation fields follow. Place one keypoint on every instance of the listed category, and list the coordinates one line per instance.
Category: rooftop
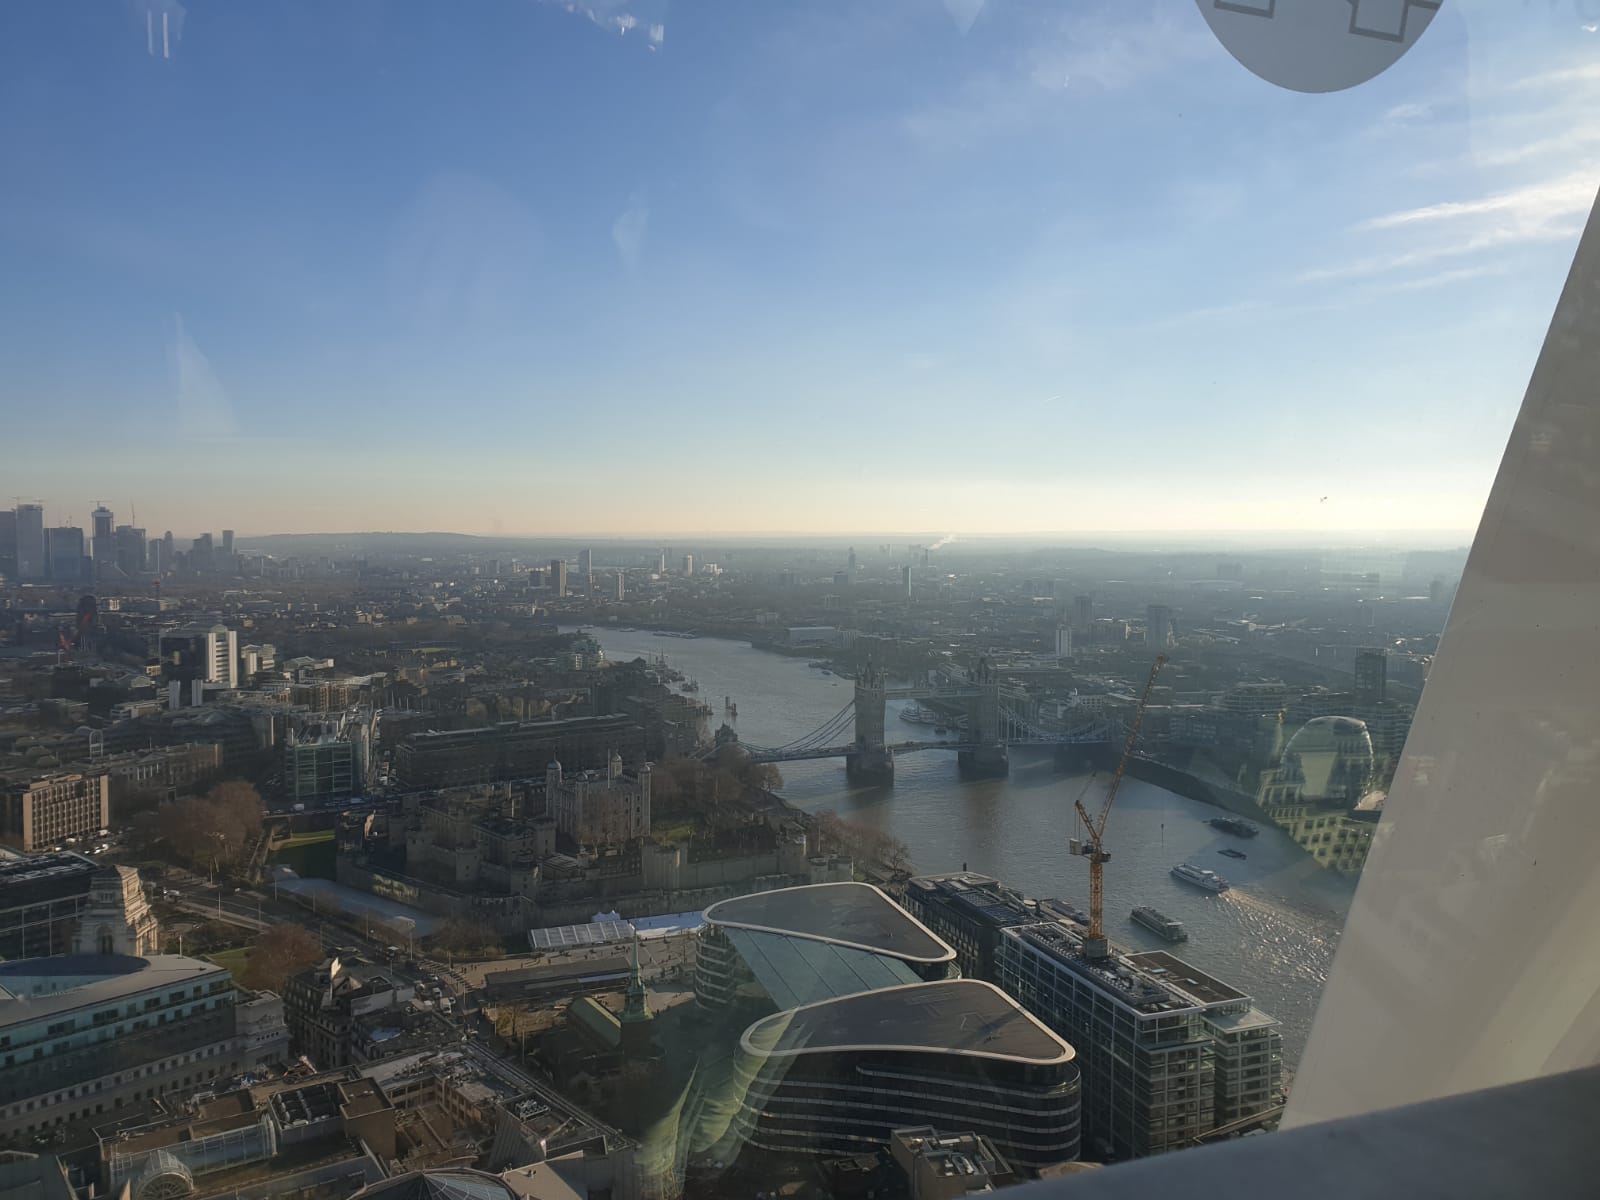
(951, 1016)
(1116, 977)
(856, 915)
(798, 970)
(1185, 977)
(31, 988)
(981, 895)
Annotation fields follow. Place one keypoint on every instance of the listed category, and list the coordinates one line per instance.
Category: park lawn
(313, 838)
(233, 960)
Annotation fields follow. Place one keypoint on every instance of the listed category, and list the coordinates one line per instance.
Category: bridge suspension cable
(820, 736)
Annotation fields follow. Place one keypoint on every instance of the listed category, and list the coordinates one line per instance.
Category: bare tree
(279, 953)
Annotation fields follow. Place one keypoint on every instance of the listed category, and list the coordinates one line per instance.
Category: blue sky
(648, 267)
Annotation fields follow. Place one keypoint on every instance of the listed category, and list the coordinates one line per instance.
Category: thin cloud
(1530, 206)
(627, 231)
(205, 413)
(1093, 53)
(1583, 73)
(622, 17)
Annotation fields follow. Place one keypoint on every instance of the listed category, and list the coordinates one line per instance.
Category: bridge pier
(873, 766)
(986, 762)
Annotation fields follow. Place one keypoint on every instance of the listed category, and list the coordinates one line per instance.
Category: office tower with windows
(200, 653)
(558, 576)
(1082, 615)
(63, 552)
(1063, 641)
(96, 1032)
(130, 555)
(227, 543)
(585, 562)
(621, 587)
(1158, 626)
(200, 555)
(688, 565)
(30, 541)
(1372, 677)
(47, 810)
(8, 542)
(101, 525)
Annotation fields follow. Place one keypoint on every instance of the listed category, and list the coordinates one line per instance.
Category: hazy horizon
(1047, 269)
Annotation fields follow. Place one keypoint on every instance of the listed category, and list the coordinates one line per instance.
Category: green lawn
(306, 839)
(234, 960)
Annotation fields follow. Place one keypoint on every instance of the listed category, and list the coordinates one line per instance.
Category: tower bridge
(992, 725)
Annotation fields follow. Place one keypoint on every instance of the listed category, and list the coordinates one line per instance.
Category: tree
(212, 831)
(464, 937)
(279, 953)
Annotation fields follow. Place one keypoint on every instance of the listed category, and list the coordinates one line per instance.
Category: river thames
(1272, 935)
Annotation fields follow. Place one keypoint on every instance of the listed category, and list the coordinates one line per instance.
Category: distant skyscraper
(30, 541)
(688, 564)
(621, 585)
(1158, 626)
(102, 524)
(169, 550)
(661, 563)
(130, 550)
(63, 551)
(1063, 641)
(227, 543)
(8, 542)
(1372, 677)
(558, 576)
(585, 562)
(200, 555)
(905, 582)
(852, 565)
(1082, 615)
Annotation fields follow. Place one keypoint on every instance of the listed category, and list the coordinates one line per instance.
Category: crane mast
(1095, 947)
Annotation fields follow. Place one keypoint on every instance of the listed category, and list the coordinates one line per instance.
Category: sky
(969, 266)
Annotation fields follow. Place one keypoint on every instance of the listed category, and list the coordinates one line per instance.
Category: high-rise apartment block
(558, 576)
(1063, 641)
(1168, 1053)
(688, 565)
(585, 562)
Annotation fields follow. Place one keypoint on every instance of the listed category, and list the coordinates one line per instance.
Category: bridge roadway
(894, 748)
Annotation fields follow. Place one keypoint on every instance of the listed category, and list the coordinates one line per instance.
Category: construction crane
(1095, 948)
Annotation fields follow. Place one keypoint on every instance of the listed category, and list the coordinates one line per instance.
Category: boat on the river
(1160, 924)
(1230, 852)
(1200, 877)
(1234, 825)
(915, 714)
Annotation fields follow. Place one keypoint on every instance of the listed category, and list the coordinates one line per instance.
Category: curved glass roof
(855, 915)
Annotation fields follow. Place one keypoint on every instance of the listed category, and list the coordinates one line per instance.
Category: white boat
(1200, 877)
(915, 714)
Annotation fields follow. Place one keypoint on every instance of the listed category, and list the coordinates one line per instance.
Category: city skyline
(1014, 267)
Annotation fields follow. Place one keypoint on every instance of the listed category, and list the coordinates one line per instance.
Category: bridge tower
(989, 759)
(869, 761)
